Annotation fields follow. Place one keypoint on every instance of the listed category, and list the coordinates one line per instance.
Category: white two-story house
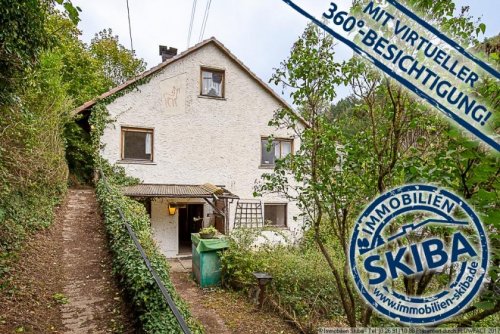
(195, 133)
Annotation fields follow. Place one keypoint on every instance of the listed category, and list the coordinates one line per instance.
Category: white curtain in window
(212, 84)
(277, 150)
(286, 148)
(148, 143)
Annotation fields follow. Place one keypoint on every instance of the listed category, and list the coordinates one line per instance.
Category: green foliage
(379, 138)
(72, 11)
(469, 168)
(88, 71)
(22, 40)
(60, 298)
(81, 72)
(208, 230)
(116, 62)
(33, 170)
(442, 13)
(79, 152)
(154, 314)
(328, 176)
(24, 37)
(39, 46)
(302, 282)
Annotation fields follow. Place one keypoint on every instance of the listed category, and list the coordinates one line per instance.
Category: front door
(190, 221)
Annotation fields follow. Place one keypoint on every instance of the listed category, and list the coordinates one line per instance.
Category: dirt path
(63, 282)
(94, 303)
(26, 302)
(221, 311)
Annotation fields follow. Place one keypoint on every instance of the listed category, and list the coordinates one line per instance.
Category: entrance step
(180, 265)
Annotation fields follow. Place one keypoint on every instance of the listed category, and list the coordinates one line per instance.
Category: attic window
(212, 83)
(137, 144)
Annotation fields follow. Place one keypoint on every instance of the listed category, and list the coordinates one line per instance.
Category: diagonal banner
(419, 57)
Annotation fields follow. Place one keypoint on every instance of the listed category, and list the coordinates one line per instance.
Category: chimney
(167, 53)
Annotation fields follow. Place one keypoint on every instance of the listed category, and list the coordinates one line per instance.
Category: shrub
(154, 314)
(302, 284)
(33, 171)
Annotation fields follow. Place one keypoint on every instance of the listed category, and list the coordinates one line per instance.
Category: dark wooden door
(194, 211)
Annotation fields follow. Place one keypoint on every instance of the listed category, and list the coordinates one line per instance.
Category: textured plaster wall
(166, 227)
(198, 139)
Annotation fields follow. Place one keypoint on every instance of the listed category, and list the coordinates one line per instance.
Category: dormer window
(212, 83)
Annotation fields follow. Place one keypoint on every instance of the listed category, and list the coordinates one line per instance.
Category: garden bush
(302, 284)
(154, 314)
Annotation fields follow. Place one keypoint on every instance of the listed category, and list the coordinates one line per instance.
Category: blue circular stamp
(418, 254)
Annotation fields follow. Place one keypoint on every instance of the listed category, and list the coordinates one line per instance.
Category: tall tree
(88, 71)
(23, 39)
(327, 189)
(117, 62)
(395, 139)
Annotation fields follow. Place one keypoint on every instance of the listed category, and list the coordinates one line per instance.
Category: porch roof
(206, 190)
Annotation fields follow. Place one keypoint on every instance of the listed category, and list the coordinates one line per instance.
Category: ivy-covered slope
(154, 314)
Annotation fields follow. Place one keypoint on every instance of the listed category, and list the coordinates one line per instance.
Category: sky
(258, 32)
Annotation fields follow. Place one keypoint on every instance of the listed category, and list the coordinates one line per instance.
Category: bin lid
(207, 245)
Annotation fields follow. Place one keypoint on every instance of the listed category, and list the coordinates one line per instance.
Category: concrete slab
(180, 266)
(187, 264)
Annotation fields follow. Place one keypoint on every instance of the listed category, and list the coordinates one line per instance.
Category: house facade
(195, 133)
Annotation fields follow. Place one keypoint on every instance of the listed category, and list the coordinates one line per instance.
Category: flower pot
(207, 235)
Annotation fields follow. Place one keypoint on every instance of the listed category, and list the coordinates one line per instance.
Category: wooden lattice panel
(248, 214)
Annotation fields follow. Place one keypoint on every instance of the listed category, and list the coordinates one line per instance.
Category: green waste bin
(206, 261)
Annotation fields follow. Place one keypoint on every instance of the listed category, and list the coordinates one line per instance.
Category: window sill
(136, 162)
(267, 166)
(212, 97)
(265, 228)
(273, 227)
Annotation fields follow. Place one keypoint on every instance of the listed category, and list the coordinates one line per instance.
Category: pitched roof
(206, 190)
(161, 66)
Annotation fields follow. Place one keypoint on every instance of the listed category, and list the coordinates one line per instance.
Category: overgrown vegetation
(89, 71)
(377, 139)
(154, 314)
(302, 288)
(46, 71)
(33, 170)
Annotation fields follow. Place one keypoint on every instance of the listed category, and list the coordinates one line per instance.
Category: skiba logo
(418, 254)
